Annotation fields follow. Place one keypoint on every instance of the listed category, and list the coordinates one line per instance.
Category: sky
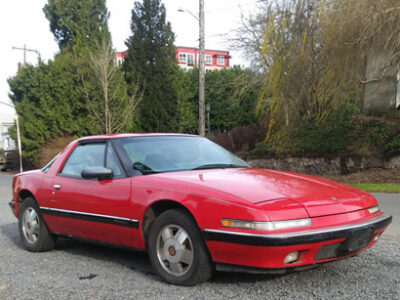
(22, 22)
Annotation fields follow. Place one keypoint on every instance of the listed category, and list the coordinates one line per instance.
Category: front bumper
(11, 204)
(314, 246)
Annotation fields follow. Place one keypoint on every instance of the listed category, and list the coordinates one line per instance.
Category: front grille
(328, 251)
(355, 241)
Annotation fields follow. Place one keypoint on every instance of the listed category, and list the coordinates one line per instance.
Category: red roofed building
(188, 57)
(119, 57)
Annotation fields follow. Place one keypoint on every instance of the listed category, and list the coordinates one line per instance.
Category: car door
(90, 208)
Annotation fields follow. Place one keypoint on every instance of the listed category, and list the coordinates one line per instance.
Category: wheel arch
(25, 193)
(22, 195)
(157, 208)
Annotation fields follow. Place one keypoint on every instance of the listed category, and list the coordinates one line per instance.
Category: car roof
(126, 135)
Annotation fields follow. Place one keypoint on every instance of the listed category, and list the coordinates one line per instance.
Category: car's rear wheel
(177, 250)
(32, 228)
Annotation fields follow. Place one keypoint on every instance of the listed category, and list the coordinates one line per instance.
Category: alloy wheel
(31, 225)
(175, 250)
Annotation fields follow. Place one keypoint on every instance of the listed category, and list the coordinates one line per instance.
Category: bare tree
(113, 108)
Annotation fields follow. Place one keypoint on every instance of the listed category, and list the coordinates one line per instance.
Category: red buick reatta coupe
(193, 206)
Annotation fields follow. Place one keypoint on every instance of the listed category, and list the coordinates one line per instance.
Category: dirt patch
(375, 175)
(52, 148)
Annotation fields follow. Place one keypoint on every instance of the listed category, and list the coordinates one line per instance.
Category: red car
(194, 207)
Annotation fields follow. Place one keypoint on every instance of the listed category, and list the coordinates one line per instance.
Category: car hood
(319, 197)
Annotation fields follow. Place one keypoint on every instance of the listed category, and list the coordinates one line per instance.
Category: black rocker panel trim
(90, 217)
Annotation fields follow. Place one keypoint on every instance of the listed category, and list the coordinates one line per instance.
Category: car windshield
(155, 154)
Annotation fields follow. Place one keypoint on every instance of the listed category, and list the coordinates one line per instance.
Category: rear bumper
(314, 246)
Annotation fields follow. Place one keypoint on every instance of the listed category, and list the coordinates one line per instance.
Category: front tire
(32, 228)
(177, 250)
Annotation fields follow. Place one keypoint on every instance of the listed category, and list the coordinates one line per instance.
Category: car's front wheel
(32, 229)
(177, 250)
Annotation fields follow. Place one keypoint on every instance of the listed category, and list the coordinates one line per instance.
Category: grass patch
(378, 187)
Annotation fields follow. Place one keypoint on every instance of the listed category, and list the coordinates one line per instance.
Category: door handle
(57, 186)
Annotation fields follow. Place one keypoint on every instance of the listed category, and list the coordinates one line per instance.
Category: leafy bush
(370, 134)
(342, 133)
(329, 137)
(393, 146)
(261, 150)
(231, 93)
(311, 136)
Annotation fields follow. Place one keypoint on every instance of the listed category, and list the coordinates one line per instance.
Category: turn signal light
(373, 210)
(273, 225)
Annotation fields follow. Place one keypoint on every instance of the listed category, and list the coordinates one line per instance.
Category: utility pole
(208, 108)
(202, 67)
(26, 50)
(21, 169)
(202, 72)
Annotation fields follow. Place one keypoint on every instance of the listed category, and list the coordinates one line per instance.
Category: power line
(26, 50)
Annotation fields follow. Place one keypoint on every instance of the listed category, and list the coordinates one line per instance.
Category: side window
(86, 155)
(112, 161)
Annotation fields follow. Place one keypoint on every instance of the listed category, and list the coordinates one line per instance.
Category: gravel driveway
(77, 270)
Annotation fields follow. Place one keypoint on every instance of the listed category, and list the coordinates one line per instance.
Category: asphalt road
(76, 270)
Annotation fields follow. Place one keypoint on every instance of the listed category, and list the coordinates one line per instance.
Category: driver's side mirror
(99, 173)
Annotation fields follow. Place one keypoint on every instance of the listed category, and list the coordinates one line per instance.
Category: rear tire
(177, 250)
(32, 228)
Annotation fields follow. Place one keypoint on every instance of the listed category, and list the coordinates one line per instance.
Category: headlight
(276, 225)
(373, 209)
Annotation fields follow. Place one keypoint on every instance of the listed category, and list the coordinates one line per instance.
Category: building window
(182, 57)
(5, 140)
(208, 59)
(7, 143)
(190, 59)
(220, 60)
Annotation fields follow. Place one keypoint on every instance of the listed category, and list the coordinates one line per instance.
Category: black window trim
(114, 147)
(124, 174)
(47, 167)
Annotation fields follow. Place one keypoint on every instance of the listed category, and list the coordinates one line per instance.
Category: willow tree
(313, 54)
(300, 81)
(366, 26)
(370, 32)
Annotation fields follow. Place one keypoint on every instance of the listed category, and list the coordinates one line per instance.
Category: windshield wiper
(143, 168)
(216, 166)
